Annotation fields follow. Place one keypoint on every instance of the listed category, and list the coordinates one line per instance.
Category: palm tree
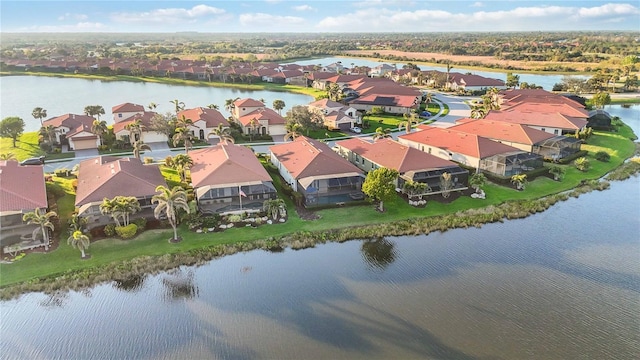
(181, 163)
(557, 172)
(253, 126)
(183, 135)
(409, 121)
(477, 181)
(79, 241)
(179, 105)
(333, 90)
(94, 110)
(48, 131)
(120, 207)
(278, 105)
(138, 146)
(152, 106)
(446, 184)
(381, 133)
(293, 130)
(519, 180)
(477, 113)
(275, 208)
(99, 128)
(169, 202)
(135, 129)
(43, 220)
(77, 222)
(39, 113)
(228, 104)
(223, 133)
(8, 156)
(108, 207)
(213, 106)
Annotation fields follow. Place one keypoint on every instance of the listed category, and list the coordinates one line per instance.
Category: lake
(546, 81)
(21, 94)
(563, 284)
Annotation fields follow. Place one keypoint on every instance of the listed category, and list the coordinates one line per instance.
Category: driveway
(86, 153)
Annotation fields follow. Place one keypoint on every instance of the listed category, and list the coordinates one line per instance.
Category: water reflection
(131, 284)
(179, 284)
(378, 253)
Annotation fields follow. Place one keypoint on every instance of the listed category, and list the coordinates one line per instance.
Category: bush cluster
(127, 232)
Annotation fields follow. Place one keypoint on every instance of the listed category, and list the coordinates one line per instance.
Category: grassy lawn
(26, 146)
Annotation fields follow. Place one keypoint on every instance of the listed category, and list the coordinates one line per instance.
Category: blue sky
(317, 16)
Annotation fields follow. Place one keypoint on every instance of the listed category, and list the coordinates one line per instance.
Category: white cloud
(276, 21)
(78, 17)
(304, 8)
(168, 16)
(79, 27)
(477, 4)
(608, 10)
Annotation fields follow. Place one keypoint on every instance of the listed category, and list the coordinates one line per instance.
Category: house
(515, 96)
(544, 119)
(147, 135)
(393, 98)
(229, 178)
(381, 70)
(470, 82)
(335, 115)
(318, 173)
(124, 111)
(411, 164)
(472, 150)
(75, 131)
(521, 136)
(109, 176)
(22, 190)
(203, 121)
(256, 118)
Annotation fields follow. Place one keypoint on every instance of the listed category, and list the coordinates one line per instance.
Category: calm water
(21, 94)
(563, 284)
(546, 81)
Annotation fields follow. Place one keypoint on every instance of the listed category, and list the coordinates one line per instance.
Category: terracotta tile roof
(127, 107)
(267, 114)
(326, 103)
(71, 121)
(211, 117)
(226, 164)
(248, 102)
(21, 187)
(305, 157)
(391, 154)
(458, 142)
(109, 176)
(504, 131)
(514, 96)
(386, 100)
(475, 80)
(144, 117)
(540, 119)
(546, 107)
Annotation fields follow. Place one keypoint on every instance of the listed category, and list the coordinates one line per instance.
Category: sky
(270, 16)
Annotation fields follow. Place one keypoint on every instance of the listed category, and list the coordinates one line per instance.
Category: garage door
(84, 144)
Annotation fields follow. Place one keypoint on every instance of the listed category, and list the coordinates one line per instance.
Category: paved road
(159, 151)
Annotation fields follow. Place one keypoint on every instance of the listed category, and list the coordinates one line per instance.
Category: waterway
(563, 284)
(21, 94)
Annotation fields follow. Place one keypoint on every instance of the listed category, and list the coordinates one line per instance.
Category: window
(119, 115)
(555, 132)
(543, 129)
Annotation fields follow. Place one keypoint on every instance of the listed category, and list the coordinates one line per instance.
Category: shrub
(582, 164)
(148, 160)
(141, 223)
(109, 230)
(103, 148)
(62, 172)
(234, 218)
(127, 232)
(603, 156)
(46, 147)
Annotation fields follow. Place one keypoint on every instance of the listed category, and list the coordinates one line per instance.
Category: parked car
(425, 114)
(33, 161)
(356, 130)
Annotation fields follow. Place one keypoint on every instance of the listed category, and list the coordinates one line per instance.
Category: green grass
(26, 146)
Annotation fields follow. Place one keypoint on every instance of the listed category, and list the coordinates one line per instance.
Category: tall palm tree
(170, 201)
(48, 131)
(99, 128)
(109, 207)
(408, 122)
(381, 133)
(94, 110)
(178, 105)
(253, 125)
(43, 220)
(213, 106)
(293, 129)
(228, 104)
(183, 135)
(39, 113)
(223, 133)
(138, 146)
(278, 105)
(80, 241)
(135, 129)
(182, 163)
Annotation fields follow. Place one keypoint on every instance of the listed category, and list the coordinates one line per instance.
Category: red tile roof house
(204, 120)
(22, 190)
(336, 115)
(147, 135)
(411, 163)
(110, 176)
(75, 131)
(469, 82)
(125, 111)
(229, 178)
(472, 150)
(515, 96)
(544, 119)
(312, 169)
(392, 97)
(521, 136)
(245, 111)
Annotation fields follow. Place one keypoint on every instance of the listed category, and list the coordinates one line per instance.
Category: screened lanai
(557, 147)
(510, 164)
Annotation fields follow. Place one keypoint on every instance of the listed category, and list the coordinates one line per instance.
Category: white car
(356, 130)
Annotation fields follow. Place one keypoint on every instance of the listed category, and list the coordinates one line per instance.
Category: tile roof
(226, 164)
(474, 80)
(458, 142)
(513, 96)
(127, 107)
(393, 155)
(272, 117)
(21, 187)
(145, 118)
(211, 117)
(504, 131)
(305, 157)
(248, 102)
(71, 121)
(540, 119)
(326, 103)
(546, 107)
(109, 176)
